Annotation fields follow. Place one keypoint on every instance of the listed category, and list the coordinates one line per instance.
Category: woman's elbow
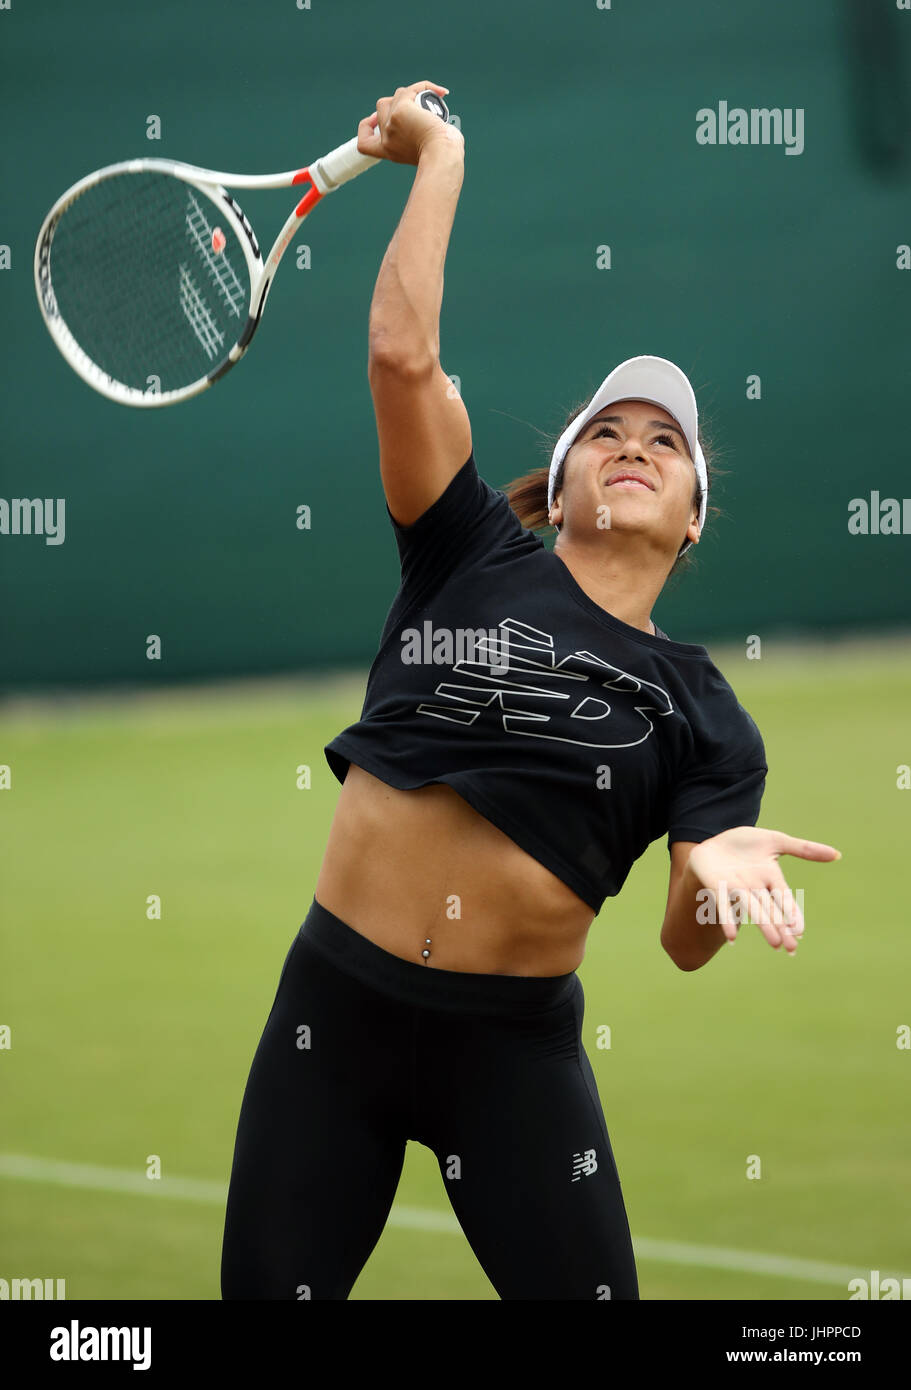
(683, 962)
(387, 358)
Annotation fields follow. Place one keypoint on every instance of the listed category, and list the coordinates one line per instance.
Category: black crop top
(580, 737)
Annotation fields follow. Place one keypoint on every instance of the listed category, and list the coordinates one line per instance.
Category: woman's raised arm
(422, 424)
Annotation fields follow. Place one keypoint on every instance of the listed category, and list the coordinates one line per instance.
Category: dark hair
(527, 495)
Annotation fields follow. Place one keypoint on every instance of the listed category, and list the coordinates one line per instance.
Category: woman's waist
(404, 866)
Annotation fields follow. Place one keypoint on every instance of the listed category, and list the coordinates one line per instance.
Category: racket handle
(346, 162)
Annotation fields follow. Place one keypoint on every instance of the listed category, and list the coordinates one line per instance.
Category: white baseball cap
(652, 379)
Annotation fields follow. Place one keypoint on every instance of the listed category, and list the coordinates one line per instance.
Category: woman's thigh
(514, 1117)
(320, 1138)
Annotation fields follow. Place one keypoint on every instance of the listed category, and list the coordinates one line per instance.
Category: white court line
(86, 1175)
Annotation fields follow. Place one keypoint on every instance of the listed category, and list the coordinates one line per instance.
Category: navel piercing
(425, 954)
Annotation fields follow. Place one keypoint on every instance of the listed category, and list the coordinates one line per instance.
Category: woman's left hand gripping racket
(150, 277)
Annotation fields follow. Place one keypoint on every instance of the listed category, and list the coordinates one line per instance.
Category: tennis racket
(150, 277)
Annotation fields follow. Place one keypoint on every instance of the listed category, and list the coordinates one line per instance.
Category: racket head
(147, 275)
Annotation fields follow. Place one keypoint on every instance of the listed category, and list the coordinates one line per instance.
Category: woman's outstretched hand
(740, 867)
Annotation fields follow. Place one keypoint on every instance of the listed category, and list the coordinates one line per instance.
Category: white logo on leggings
(584, 1163)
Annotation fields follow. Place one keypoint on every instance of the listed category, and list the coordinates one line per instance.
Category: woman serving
(526, 733)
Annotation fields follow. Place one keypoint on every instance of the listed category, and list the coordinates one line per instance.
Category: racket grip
(339, 165)
(346, 161)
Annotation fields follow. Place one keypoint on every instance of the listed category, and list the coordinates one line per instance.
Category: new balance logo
(517, 681)
(584, 1163)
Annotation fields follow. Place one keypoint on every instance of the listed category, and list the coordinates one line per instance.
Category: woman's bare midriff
(404, 866)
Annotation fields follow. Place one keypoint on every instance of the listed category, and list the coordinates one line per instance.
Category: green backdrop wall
(580, 126)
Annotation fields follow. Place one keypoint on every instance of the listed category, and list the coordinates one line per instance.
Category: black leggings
(362, 1051)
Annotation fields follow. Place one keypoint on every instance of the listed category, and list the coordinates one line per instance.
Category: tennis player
(495, 791)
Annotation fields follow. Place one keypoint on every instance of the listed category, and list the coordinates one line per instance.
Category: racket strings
(151, 283)
(217, 265)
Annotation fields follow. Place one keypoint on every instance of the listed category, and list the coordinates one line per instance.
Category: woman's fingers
(421, 86)
(793, 917)
(726, 910)
(781, 904)
(768, 905)
(753, 909)
(774, 910)
(367, 133)
(736, 907)
(803, 849)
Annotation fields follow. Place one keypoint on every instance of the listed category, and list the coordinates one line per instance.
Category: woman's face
(643, 439)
